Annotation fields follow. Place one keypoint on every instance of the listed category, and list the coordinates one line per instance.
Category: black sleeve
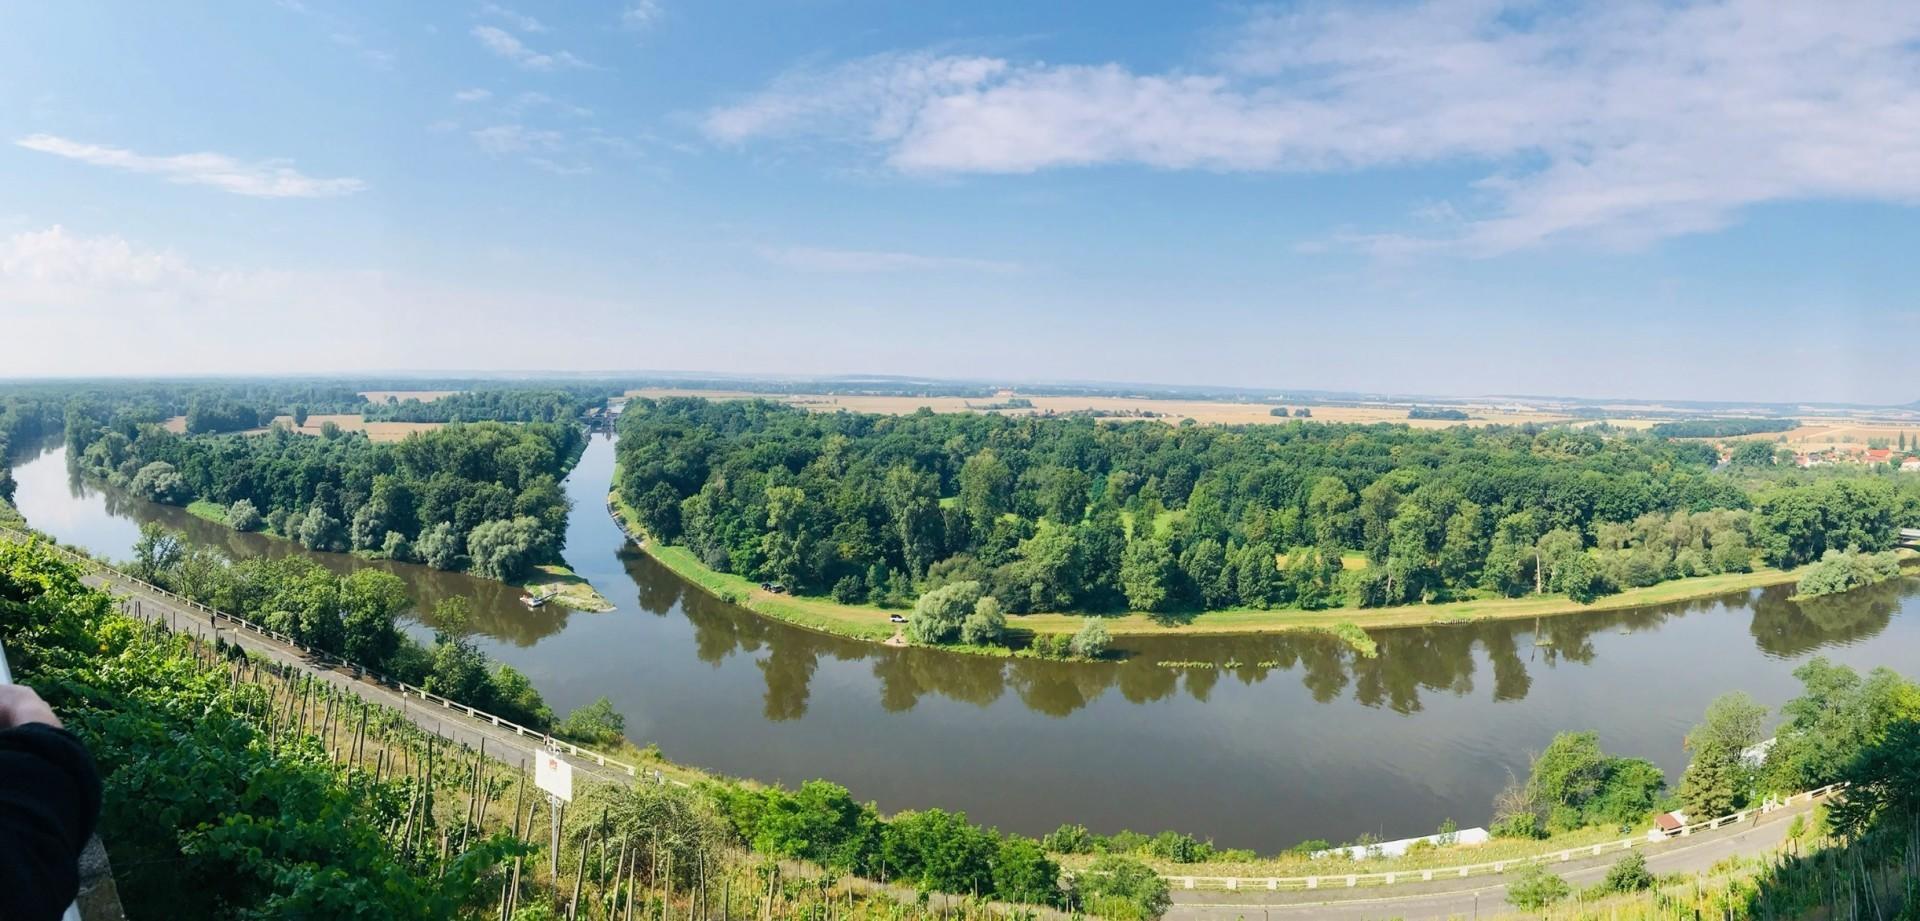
(49, 803)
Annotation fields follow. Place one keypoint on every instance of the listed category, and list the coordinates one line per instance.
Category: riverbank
(567, 588)
(868, 622)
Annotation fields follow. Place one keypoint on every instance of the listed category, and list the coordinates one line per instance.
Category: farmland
(424, 396)
(1217, 412)
(351, 422)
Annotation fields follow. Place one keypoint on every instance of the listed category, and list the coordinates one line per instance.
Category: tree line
(494, 405)
(1721, 428)
(1056, 514)
(482, 496)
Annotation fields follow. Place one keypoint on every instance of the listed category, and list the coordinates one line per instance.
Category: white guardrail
(1229, 883)
(1492, 867)
(323, 658)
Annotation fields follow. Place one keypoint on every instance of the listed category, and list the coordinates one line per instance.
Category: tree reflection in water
(1411, 662)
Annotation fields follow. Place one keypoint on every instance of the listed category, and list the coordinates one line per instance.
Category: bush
(1536, 887)
(1068, 839)
(986, 626)
(1628, 874)
(1123, 889)
(938, 615)
(242, 516)
(1844, 570)
(1092, 640)
(160, 482)
(597, 723)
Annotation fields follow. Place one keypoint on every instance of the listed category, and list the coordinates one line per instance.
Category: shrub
(1091, 641)
(243, 516)
(1123, 889)
(938, 615)
(1536, 887)
(1628, 874)
(597, 723)
(986, 625)
(1068, 839)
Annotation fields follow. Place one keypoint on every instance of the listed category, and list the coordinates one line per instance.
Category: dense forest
(532, 405)
(483, 496)
(1721, 428)
(1052, 514)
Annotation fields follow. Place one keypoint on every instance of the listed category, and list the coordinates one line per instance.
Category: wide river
(1301, 740)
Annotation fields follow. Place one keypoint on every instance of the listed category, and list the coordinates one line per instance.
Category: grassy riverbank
(869, 622)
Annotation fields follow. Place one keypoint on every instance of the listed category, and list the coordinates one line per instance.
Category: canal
(1298, 739)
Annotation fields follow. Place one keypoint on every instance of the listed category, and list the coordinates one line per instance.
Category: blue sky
(1699, 200)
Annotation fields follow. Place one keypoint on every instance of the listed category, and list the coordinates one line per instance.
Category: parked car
(897, 618)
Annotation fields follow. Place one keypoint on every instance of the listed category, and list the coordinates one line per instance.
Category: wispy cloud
(640, 14)
(1618, 122)
(858, 261)
(473, 95)
(504, 45)
(340, 34)
(513, 18)
(515, 138)
(263, 179)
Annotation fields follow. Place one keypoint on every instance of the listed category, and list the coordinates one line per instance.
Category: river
(1301, 740)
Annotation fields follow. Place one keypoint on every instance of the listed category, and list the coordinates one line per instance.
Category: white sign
(553, 775)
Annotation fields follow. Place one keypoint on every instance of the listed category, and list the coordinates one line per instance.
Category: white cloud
(103, 304)
(473, 95)
(515, 138)
(815, 259)
(513, 18)
(264, 179)
(1617, 122)
(640, 14)
(52, 259)
(503, 44)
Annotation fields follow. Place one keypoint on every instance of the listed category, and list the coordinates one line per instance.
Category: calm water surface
(1303, 740)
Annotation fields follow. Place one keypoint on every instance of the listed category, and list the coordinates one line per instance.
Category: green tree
(504, 550)
(986, 626)
(1091, 640)
(441, 547)
(1146, 570)
(1122, 888)
(370, 600)
(938, 615)
(243, 516)
(1718, 780)
(155, 553)
(160, 482)
(597, 723)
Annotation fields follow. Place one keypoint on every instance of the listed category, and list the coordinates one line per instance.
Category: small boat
(534, 601)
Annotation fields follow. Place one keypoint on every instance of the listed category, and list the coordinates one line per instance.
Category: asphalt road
(1483, 896)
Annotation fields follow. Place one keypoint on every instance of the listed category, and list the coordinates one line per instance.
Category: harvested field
(1171, 411)
(378, 431)
(176, 425)
(424, 396)
(1846, 434)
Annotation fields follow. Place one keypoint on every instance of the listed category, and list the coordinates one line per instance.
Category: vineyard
(238, 787)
